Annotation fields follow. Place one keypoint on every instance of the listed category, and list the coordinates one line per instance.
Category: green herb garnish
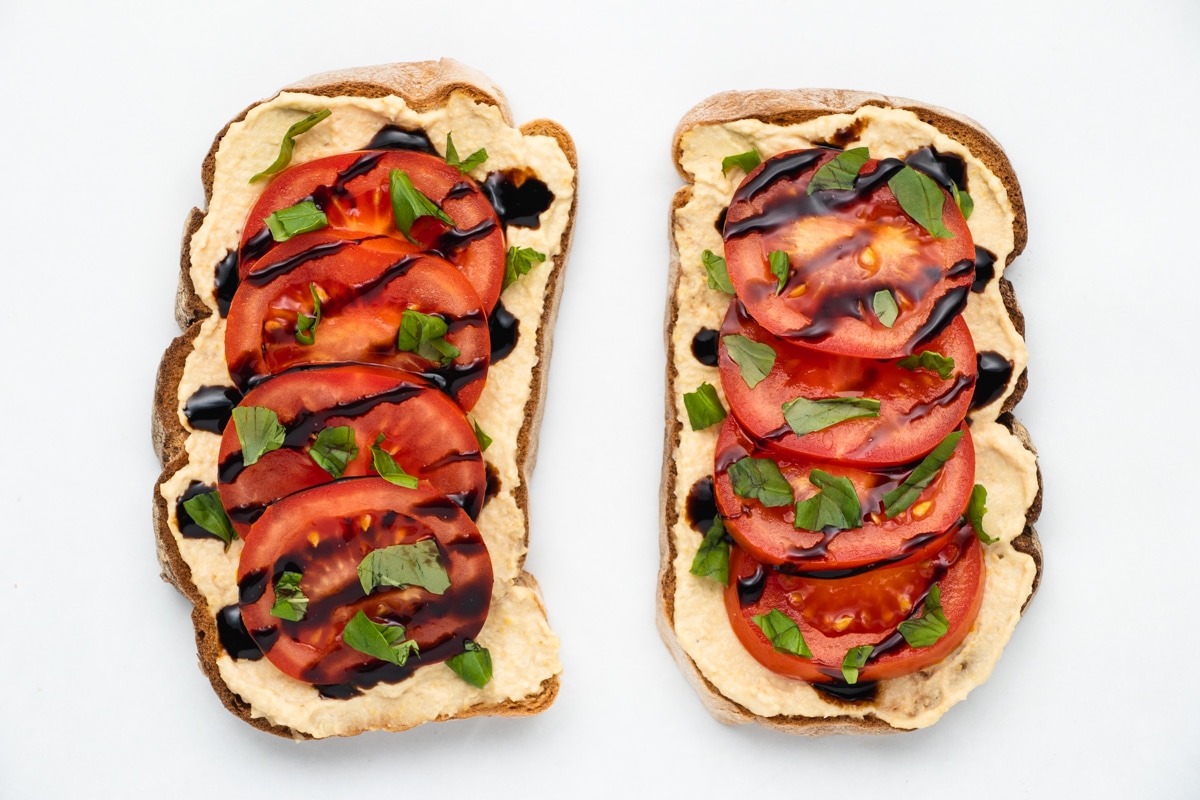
(783, 633)
(425, 335)
(806, 416)
(760, 479)
(755, 359)
(836, 504)
(886, 310)
(289, 144)
(840, 172)
(334, 449)
(385, 642)
(473, 665)
(207, 511)
(258, 432)
(712, 559)
(484, 440)
(704, 408)
(517, 262)
(306, 324)
(976, 508)
(469, 163)
(718, 272)
(409, 204)
(856, 659)
(921, 198)
(387, 467)
(907, 492)
(744, 161)
(404, 565)
(926, 629)
(290, 603)
(780, 268)
(300, 218)
(934, 362)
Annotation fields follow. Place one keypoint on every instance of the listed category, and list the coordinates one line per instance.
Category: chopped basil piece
(921, 198)
(704, 408)
(755, 359)
(387, 467)
(836, 504)
(290, 603)
(934, 362)
(718, 272)
(840, 172)
(378, 640)
(306, 324)
(712, 559)
(334, 449)
(926, 629)
(425, 335)
(744, 161)
(207, 512)
(258, 432)
(409, 205)
(300, 218)
(907, 492)
(976, 508)
(471, 162)
(806, 416)
(517, 262)
(473, 665)
(760, 479)
(780, 268)
(404, 565)
(886, 310)
(783, 633)
(856, 659)
(484, 440)
(289, 144)
(965, 204)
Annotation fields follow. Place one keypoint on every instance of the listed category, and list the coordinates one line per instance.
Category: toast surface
(433, 97)
(691, 615)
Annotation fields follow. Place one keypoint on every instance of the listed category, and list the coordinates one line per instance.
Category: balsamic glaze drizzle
(393, 137)
(234, 638)
(705, 347)
(985, 269)
(504, 330)
(518, 197)
(995, 371)
(210, 407)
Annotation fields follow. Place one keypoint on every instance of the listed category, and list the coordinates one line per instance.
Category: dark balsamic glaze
(704, 347)
(188, 527)
(453, 377)
(946, 169)
(848, 693)
(945, 310)
(393, 137)
(850, 133)
(461, 189)
(227, 280)
(258, 245)
(504, 330)
(210, 407)
(701, 505)
(785, 168)
(264, 275)
(337, 691)
(234, 637)
(720, 224)
(251, 587)
(492, 476)
(995, 371)
(444, 509)
(985, 269)
(517, 197)
(453, 240)
(751, 587)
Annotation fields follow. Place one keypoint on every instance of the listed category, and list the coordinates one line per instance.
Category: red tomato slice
(324, 534)
(917, 407)
(426, 434)
(353, 189)
(844, 246)
(768, 533)
(365, 289)
(837, 615)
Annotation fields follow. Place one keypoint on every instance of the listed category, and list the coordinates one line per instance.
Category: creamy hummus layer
(524, 650)
(1007, 469)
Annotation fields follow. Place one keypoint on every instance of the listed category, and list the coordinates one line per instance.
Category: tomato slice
(843, 247)
(324, 534)
(365, 288)
(836, 615)
(353, 189)
(917, 408)
(768, 534)
(425, 433)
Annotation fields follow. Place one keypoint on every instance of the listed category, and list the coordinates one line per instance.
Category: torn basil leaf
(932, 625)
(403, 565)
(306, 324)
(929, 360)
(806, 416)
(473, 665)
(780, 268)
(910, 489)
(712, 559)
(300, 218)
(334, 449)
(921, 198)
(425, 335)
(743, 161)
(976, 508)
(965, 204)
(754, 359)
(207, 511)
(387, 467)
(288, 145)
(718, 272)
(783, 633)
(704, 408)
(856, 659)
(840, 172)
(836, 504)
(469, 163)
(886, 310)
(760, 479)
(290, 602)
(517, 262)
(258, 432)
(409, 204)
(385, 642)
(484, 440)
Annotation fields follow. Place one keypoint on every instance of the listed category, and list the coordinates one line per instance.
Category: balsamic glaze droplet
(849, 693)
(251, 587)
(210, 407)
(393, 137)
(188, 527)
(946, 169)
(701, 505)
(234, 637)
(704, 347)
(492, 476)
(337, 691)
(518, 197)
(226, 281)
(985, 269)
(994, 373)
(721, 220)
(504, 330)
(751, 587)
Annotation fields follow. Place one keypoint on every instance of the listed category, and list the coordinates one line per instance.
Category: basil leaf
(334, 449)
(806, 416)
(704, 408)
(258, 432)
(300, 218)
(288, 144)
(934, 362)
(306, 325)
(409, 204)
(856, 659)
(780, 268)
(712, 559)
(755, 359)
(976, 508)
(718, 272)
(760, 479)
(403, 565)
(484, 440)
(425, 335)
(885, 308)
(387, 467)
(473, 665)
(207, 512)
(836, 504)
(932, 625)
(965, 204)
(471, 162)
(744, 161)
(517, 262)
(783, 632)
(907, 492)
(840, 172)
(290, 603)
(378, 640)
(922, 199)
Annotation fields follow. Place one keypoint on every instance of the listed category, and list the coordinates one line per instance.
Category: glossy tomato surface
(426, 434)
(836, 615)
(769, 535)
(324, 534)
(353, 189)
(917, 406)
(364, 288)
(843, 247)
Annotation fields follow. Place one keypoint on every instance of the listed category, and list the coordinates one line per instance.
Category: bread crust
(788, 107)
(423, 86)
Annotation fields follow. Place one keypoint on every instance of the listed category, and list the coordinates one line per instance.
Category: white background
(107, 111)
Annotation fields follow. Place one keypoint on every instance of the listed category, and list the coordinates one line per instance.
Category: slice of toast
(429, 97)
(692, 620)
